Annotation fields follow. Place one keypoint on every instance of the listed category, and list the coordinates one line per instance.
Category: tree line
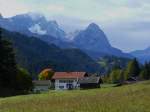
(14, 80)
(133, 70)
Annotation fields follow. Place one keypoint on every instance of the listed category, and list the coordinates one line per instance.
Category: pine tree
(8, 68)
(145, 73)
(132, 69)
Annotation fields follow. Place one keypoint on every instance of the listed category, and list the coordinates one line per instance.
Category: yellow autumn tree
(46, 74)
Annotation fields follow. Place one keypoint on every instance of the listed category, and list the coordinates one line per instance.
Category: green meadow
(128, 98)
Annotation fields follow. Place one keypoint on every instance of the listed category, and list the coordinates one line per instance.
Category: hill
(35, 55)
(129, 98)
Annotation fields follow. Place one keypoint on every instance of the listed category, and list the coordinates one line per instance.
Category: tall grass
(130, 98)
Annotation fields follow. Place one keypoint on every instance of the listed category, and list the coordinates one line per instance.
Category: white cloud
(55, 8)
(12, 7)
(128, 36)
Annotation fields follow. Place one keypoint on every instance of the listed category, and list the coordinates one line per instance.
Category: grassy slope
(130, 98)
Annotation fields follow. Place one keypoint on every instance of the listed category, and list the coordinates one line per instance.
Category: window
(62, 81)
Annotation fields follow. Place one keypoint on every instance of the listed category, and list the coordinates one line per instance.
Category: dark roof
(89, 80)
(41, 82)
(132, 79)
(68, 75)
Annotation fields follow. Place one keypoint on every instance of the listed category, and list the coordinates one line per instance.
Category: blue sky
(125, 22)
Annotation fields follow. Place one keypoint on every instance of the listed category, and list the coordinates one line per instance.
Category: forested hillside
(35, 55)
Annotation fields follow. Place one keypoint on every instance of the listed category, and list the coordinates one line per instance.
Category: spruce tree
(145, 72)
(8, 68)
(132, 69)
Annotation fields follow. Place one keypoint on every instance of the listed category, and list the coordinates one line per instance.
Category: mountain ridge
(92, 39)
(31, 23)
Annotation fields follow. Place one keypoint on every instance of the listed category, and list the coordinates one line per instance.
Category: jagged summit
(32, 24)
(94, 39)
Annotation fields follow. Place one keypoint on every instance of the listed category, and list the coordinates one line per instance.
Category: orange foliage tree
(46, 74)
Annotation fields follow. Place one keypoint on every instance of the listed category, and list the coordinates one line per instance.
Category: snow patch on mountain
(37, 29)
(70, 35)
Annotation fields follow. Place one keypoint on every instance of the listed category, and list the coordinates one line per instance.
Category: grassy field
(129, 98)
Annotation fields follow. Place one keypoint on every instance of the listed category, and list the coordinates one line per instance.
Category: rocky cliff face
(93, 39)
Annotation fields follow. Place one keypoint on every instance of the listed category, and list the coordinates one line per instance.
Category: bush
(24, 81)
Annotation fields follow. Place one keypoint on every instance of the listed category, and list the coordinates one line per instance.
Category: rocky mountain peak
(92, 38)
(93, 26)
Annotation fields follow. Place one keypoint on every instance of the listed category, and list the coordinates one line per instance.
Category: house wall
(61, 84)
(42, 85)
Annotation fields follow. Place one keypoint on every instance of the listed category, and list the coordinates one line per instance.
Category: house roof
(87, 80)
(68, 75)
(41, 82)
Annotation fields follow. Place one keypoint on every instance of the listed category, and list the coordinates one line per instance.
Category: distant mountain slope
(93, 40)
(142, 55)
(35, 55)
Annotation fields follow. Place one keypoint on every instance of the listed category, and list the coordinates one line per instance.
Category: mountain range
(92, 40)
(32, 24)
(40, 43)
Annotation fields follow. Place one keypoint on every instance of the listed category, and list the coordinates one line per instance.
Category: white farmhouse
(67, 80)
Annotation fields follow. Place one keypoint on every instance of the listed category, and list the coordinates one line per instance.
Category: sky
(125, 22)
